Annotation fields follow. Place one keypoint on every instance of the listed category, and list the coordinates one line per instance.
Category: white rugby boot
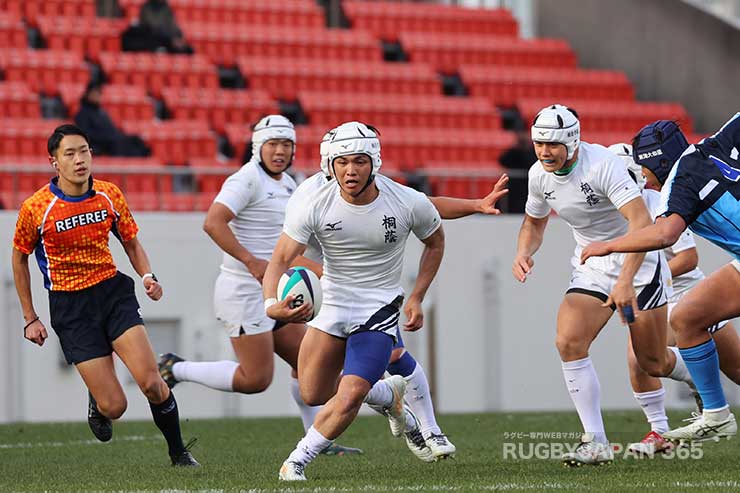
(395, 412)
(415, 441)
(292, 471)
(441, 446)
(703, 427)
(589, 452)
(653, 443)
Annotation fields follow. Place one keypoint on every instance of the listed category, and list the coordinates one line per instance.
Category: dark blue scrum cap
(657, 146)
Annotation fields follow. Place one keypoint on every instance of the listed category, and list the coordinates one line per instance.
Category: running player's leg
(135, 350)
(320, 363)
(419, 400)
(704, 305)
(648, 336)
(106, 399)
(580, 319)
(650, 395)
(238, 305)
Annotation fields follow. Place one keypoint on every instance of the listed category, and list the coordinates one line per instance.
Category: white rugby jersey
(588, 198)
(258, 201)
(686, 281)
(305, 191)
(363, 245)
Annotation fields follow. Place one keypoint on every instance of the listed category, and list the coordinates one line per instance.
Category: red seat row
(121, 102)
(284, 78)
(447, 52)
(224, 42)
(26, 137)
(292, 13)
(608, 138)
(219, 107)
(390, 18)
(87, 38)
(504, 85)
(31, 9)
(12, 31)
(612, 116)
(18, 101)
(464, 187)
(328, 109)
(156, 71)
(42, 70)
(174, 141)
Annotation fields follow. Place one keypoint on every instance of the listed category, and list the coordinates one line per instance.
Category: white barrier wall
(487, 343)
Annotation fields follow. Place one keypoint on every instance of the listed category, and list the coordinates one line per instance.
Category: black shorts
(89, 320)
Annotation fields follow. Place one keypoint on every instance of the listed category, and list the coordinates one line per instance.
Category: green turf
(245, 454)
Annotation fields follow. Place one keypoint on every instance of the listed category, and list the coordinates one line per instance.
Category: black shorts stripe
(596, 294)
(650, 296)
(384, 318)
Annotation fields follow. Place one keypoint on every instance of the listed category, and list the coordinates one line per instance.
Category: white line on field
(129, 438)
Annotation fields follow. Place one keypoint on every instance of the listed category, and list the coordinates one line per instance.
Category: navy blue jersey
(704, 188)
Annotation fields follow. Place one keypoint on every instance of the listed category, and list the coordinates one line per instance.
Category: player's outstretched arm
(451, 208)
(140, 262)
(34, 330)
(431, 258)
(531, 233)
(286, 250)
(217, 227)
(662, 234)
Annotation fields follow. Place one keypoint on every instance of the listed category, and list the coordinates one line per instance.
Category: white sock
(653, 405)
(308, 413)
(309, 447)
(217, 375)
(680, 372)
(380, 395)
(583, 386)
(419, 400)
(718, 415)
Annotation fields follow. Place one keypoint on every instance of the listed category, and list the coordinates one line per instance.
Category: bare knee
(654, 365)
(252, 383)
(112, 407)
(153, 387)
(570, 349)
(349, 398)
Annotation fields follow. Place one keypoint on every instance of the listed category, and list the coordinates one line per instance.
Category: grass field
(244, 455)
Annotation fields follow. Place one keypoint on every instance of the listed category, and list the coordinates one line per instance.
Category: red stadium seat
(121, 102)
(173, 141)
(447, 52)
(219, 107)
(42, 69)
(156, 71)
(18, 101)
(284, 78)
(505, 85)
(388, 110)
(388, 19)
(86, 38)
(12, 31)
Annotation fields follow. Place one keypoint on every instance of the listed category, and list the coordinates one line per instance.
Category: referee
(93, 307)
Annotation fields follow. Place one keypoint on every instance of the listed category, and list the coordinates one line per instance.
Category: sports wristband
(29, 324)
(149, 274)
(269, 302)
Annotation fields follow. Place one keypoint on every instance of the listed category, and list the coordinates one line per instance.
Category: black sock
(167, 419)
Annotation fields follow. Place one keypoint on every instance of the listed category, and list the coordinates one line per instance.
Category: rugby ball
(304, 285)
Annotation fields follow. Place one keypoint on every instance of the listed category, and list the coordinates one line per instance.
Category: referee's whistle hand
(153, 289)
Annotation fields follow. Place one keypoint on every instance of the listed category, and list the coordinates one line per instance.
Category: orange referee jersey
(70, 234)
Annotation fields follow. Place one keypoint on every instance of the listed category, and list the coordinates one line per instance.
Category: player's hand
(414, 315)
(257, 268)
(595, 249)
(282, 311)
(153, 288)
(623, 295)
(487, 205)
(522, 267)
(36, 333)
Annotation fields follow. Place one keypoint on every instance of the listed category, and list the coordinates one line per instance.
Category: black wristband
(29, 324)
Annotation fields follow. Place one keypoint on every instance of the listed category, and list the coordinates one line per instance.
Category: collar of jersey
(566, 171)
(54, 187)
